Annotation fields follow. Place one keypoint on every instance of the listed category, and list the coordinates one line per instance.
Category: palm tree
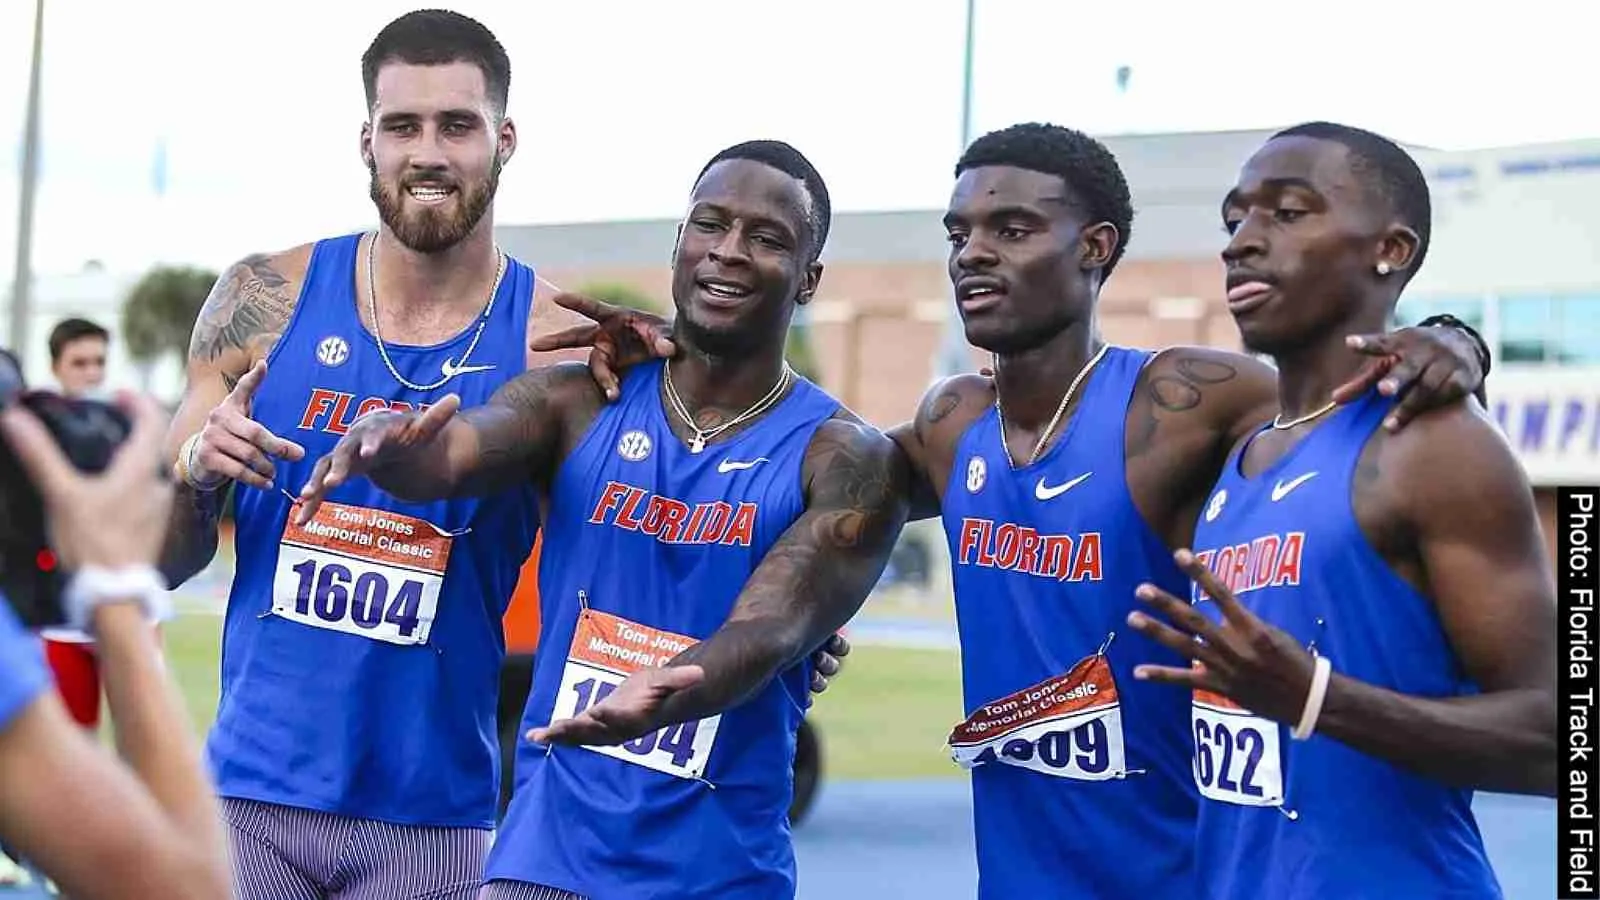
(159, 314)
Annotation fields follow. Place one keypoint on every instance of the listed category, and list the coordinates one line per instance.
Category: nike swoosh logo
(1050, 493)
(729, 465)
(1281, 490)
(451, 370)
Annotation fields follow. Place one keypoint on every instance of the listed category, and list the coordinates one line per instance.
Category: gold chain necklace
(1280, 425)
(1066, 398)
(701, 435)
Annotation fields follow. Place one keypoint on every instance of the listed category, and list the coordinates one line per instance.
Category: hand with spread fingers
(368, 445)
(630, 711)
(234, 446)
(621, 337)
(1425, 367)
(1259, 667)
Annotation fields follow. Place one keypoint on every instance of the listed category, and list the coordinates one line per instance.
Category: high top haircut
(1095, 181)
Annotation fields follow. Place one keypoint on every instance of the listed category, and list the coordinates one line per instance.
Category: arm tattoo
(1175, 393)
(191, 533)
(935, 410)
(814, 578)
(247, 310)
(520, 430)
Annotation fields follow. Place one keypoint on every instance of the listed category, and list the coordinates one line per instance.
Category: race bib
(367, 572)
(607, 649)
(1069, 727)
(1237, 757)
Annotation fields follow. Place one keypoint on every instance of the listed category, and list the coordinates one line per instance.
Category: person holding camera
(147, 825)
(78, 350)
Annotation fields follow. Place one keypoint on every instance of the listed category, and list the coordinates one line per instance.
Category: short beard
(429, 231)
(719, 342)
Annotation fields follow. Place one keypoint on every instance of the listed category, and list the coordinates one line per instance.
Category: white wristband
(92, 586)
(1321, 672)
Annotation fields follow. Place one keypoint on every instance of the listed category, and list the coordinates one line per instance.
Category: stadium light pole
(954, 357)
(22, 274)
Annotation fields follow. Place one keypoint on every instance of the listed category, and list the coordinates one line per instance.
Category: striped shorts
(286, 853)
(521, 890)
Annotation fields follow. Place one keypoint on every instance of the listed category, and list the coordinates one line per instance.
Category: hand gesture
(827, 662)
(1257, 666)
(1425, 367)
(620, 337)
(232, 445)
(115, 518)
(370, 443)
(630, 711)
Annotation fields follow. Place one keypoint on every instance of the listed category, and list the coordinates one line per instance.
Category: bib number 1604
(335, 594)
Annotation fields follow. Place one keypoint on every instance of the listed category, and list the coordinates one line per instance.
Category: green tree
(159, 313)
(620, 294)
(797, 349)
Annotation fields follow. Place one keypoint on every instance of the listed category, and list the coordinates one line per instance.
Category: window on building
(1577, 335)
(1527, 328)
(1410, 310)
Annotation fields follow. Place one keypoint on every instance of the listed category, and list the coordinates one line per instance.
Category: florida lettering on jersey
(1018, 548)
(1271, 560)
(335, 411)
(673, 521)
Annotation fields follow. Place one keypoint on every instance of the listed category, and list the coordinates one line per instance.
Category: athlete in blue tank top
(703, 536)
(376, 605)
(1374, 609)
(361, 649)
(1062, 481)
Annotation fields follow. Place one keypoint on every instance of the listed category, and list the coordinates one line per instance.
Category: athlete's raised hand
(630, 711)
(231, 445)
(1259, 667)
(621, 337)
(1426, 367)
(374, 440)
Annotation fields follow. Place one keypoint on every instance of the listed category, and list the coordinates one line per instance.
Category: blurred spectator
(78, 356)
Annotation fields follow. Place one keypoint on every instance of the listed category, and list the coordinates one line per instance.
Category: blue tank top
(646, 548)
(1284, 818)
(23, 672)
(1074, 763)
(361, 654)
